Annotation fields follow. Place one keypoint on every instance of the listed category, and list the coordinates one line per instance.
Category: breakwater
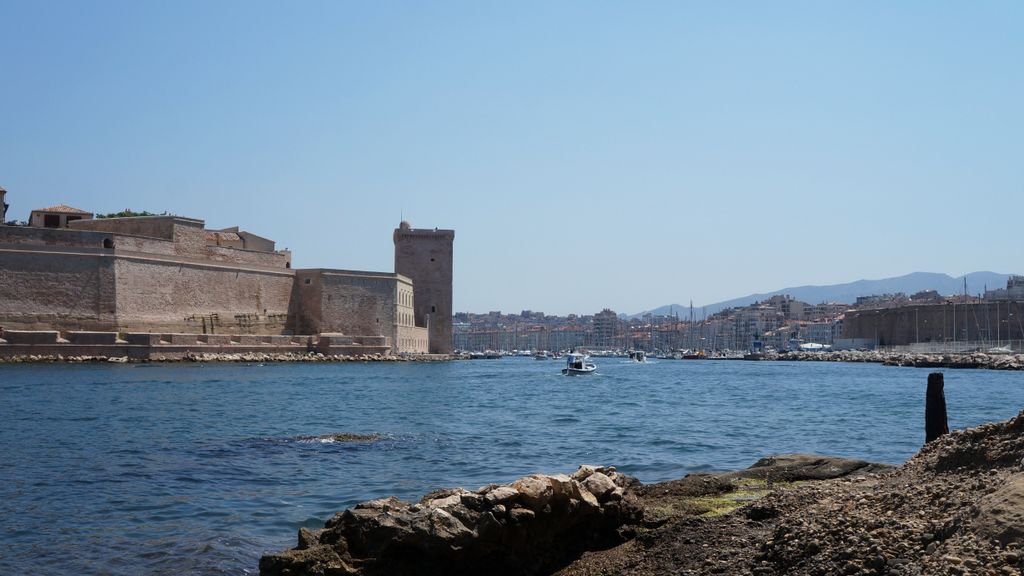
(915, 360)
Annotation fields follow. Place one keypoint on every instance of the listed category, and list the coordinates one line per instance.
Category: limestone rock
(534, 491)
(583, 471)
(600, 485)
(501, 495)
(794, 467)
(533, 526)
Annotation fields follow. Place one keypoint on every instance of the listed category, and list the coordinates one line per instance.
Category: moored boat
(576, 364)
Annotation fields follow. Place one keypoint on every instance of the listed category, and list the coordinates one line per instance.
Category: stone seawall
(965, 360)
(45, 346)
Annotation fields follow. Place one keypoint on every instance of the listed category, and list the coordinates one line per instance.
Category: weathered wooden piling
(935, 408)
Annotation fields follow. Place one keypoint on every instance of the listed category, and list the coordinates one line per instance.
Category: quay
(52, 345)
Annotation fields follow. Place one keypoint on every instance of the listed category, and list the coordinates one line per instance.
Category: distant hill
(849, 292)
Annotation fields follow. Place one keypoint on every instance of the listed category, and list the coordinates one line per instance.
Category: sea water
(201, 468)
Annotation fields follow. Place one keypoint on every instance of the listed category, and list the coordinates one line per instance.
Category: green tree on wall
(128, 213)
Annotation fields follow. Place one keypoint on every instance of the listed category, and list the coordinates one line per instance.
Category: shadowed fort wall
(356, 302)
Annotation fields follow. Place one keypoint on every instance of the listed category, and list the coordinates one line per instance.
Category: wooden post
(935, 408)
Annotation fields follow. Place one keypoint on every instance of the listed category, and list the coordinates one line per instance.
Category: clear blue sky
(588, 154)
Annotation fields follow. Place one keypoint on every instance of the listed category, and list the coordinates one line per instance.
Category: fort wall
(161, 275)
(306, 311)
(22, 236)
(176, 236)
(278, 260)
(74, 290)
(148, 226)
(192, 297)
(357, 302)
(143, 245)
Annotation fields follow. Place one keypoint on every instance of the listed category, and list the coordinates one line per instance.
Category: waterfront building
(825, 310)
(1014, 290)
(59, 216)
(821, 332)
(606, 328)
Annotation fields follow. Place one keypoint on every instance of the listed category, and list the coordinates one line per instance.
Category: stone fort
(68, 271)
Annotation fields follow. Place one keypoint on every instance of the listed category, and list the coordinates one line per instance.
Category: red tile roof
(62, 209)
(225, 236)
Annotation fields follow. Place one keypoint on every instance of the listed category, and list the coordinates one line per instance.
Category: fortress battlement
(170, 274)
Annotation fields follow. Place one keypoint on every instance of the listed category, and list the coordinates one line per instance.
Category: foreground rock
(532, 526)
(956, 508)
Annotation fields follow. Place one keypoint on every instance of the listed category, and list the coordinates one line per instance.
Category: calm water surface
(178, 469)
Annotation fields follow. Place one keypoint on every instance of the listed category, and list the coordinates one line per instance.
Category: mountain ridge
(848, 292)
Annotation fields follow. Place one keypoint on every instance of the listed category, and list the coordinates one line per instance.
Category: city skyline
(588, 155)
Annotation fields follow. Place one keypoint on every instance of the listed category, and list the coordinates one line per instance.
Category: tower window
(433, 309)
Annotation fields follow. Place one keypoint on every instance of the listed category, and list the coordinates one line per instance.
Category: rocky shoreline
(241, 357)
(979, 360)
(955, 508)
(531, 526)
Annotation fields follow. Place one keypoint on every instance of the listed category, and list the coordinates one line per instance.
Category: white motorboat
(577, 364)
(638, 355)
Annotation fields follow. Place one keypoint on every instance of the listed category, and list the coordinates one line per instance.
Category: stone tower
(3, 206)
(425, 257)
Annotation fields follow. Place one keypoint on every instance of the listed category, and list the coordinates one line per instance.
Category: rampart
(56, 277)
(168, 275)
(99, 280)
(358, 302)
(165, 227)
